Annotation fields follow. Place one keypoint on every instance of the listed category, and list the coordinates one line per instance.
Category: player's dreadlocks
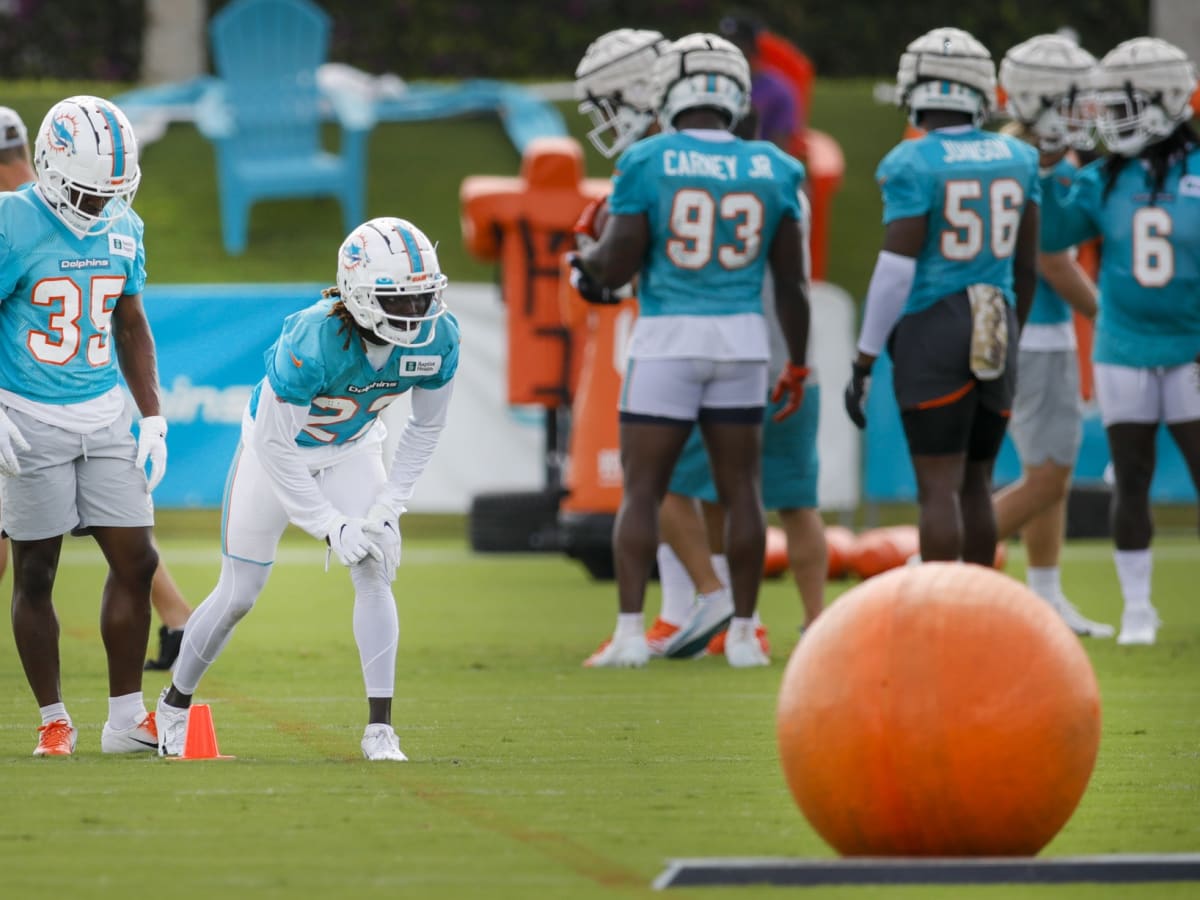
(348, 326)
(1159, 157)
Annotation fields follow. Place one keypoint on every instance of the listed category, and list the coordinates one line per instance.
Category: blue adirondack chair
(264, 112)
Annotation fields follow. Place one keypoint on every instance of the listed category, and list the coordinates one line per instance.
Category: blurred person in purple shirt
(777, 111)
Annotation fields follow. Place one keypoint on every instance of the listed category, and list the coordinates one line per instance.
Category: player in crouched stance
(311, 454)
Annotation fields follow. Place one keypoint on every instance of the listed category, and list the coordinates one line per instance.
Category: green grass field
(529, 776)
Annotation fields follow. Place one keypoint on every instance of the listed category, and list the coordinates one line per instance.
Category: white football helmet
(1143, 88)
(614, 87)
(387, 258)
(1047, 87)
(946, 68)
(86, 159)
(701, 71)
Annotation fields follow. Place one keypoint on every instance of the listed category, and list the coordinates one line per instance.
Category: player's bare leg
(125, 607)
(167, 599)
(807, 558)
(682, 526)
(34, 621)
(648, 454)
(978, 517)
(736, 454)
(939, 522)
(1038, 489)
(173, 611)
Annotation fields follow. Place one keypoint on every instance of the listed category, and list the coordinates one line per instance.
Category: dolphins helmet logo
(62, 133)
(354, 253)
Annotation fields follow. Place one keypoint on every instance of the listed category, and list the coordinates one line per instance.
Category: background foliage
(415, 170)
(533, 39)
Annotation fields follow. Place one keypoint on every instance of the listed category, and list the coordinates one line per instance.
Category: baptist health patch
(1189, 186)
(412, 366)
(122, 245)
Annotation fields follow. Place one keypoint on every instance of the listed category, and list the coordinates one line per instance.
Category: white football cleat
(141, 737)
(1139, 626)
(380, 742)
(172, 727)
(621, 652)
(1078, 622)
(742, 647)
(710, 614)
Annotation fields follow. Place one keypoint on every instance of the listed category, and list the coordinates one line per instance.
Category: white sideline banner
(489, 446)
(211, 340)
(839, 443)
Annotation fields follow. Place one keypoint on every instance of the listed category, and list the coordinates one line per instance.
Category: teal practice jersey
(57, 296)
(713, 208)
(310, 365)
(1049, 308)
(974, 187)
(1149, 261)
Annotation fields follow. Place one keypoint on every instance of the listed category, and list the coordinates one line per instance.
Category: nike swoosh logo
(147, 743)
(297, 363)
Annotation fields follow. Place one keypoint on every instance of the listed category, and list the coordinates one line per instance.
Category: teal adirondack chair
(264, 113)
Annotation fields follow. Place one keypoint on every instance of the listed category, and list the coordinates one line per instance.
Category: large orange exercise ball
(938, 710)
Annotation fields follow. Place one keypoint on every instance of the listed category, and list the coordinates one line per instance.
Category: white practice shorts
(70, 480)
(688, 390)
(252, 518)
(1147, 396)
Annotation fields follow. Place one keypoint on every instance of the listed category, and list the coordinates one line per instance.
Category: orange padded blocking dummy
(526, 224)
(840, 544)
(878, 549)
(938, 710)
(775, 561)
(593, 474)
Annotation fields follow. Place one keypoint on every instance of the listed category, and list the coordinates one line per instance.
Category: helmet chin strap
(370, 336)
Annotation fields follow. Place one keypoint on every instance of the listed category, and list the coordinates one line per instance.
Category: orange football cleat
(56, 739)
(657, 636)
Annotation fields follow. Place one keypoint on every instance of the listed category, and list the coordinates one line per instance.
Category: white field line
(86, 553)
(89, 555)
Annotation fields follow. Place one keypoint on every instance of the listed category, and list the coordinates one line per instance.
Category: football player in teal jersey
(698, 214)
(951, 288)
(311, 454)
(1048, 97)
(72, 269)
(1143, 202)
(16, 169)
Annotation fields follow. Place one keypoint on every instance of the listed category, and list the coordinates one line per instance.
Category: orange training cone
(201, 739)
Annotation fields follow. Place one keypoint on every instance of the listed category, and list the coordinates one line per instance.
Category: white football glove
(152, 445)
(383, 524)
(348, 539)
(11, 440)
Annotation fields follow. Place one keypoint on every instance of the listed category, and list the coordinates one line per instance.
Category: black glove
(855, 395)
(589, 289)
